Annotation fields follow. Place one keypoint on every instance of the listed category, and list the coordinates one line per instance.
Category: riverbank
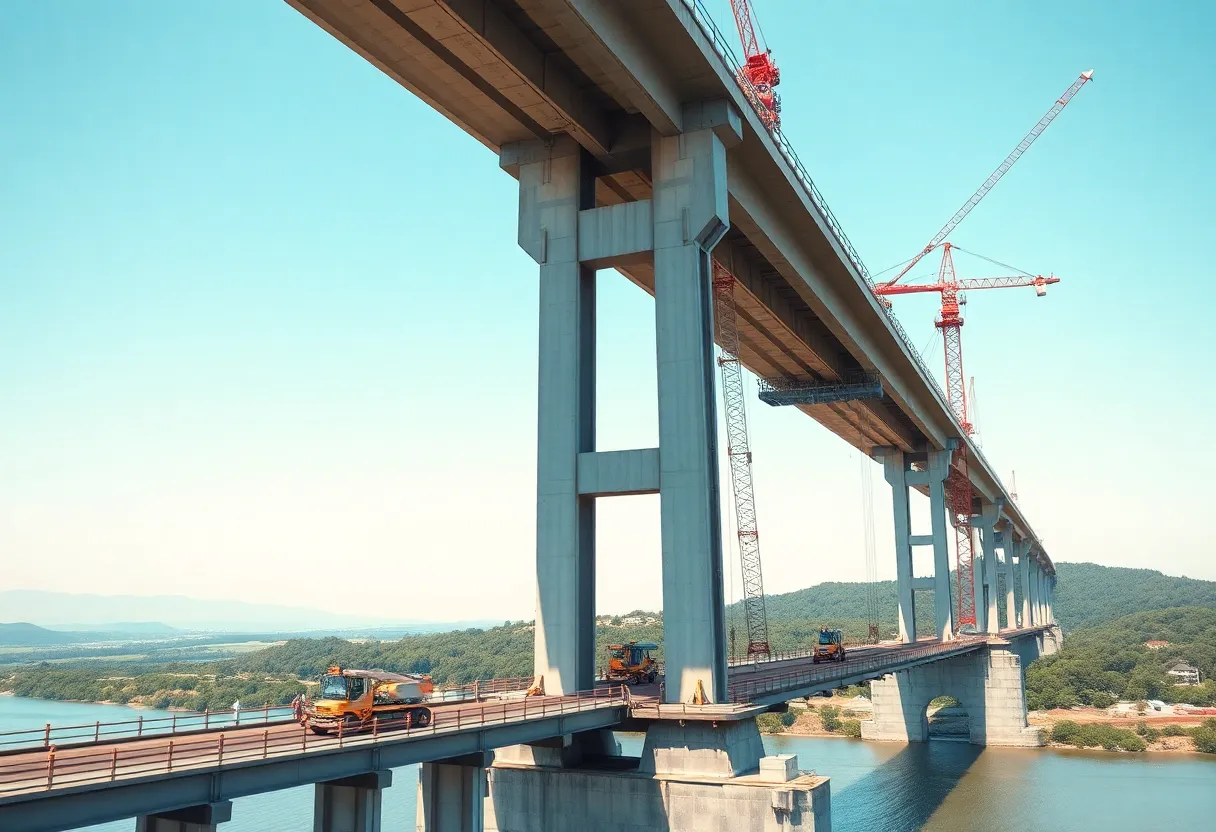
(1084, 727)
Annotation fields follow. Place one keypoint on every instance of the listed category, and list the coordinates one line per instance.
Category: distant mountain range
(143, 615)
(1088, 595)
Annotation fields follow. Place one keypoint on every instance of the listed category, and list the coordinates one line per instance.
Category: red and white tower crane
(950, 322)
(758, 68)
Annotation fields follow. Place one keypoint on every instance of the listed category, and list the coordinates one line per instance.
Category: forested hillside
(1103, 664)
(1096, 665)
(1088, 594)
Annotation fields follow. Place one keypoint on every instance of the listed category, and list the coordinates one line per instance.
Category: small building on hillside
(1183, 673)
(1156, 644)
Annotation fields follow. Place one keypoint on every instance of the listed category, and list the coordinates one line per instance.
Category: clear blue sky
(262, 311)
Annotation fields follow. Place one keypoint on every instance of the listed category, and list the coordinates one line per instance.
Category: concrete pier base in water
(988, 683)
(697, 777)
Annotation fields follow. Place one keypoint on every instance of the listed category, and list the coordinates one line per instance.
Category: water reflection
(902, 793)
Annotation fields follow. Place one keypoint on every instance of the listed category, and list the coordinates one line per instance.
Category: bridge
(188, 769)
(637, 148)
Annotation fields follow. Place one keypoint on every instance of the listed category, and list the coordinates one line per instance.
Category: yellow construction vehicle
(351, 699)
(830, 647)
(631, 663)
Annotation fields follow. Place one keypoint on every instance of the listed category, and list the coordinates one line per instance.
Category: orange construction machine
(353, 698)
(631, 663)
(830, 647)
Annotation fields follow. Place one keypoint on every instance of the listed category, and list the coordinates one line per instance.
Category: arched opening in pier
(947, 719)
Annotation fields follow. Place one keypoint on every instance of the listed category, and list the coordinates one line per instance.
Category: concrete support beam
(452, 795)
(555, 183)
(1036, 589)
(1024, 581)
(488, 26)
(616, 235)
(979, 596)
(939, 467)
(351, 804)
(895, 470)
(690, 217)
(1008, 549)
(615, 473)
(204, 818)
(988, 516)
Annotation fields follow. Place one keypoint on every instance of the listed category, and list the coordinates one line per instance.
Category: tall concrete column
(979, 595)
(204, 818)
(452, 794)
(1036, 592)
(690, 217)
(1024, 580)
(1051, 599)
(895, 471)
(939, 467)
(1008, 548)
(555, 182)
(351, 804)
(990, 513)
(1043, 595)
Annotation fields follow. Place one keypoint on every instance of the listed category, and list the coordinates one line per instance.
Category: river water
(886, 787)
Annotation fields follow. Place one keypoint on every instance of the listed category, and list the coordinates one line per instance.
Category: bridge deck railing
(187, 722)
(748, 690)
(40, 770)
(191, 722)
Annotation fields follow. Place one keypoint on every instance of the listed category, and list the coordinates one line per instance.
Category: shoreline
(808, 724)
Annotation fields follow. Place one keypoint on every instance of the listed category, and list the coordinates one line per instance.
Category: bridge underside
(613, 74)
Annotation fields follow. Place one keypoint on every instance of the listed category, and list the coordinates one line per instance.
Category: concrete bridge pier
(1008, 548)
(692, 775)
(1024, 581)
(452, 794)
(204, 818)
(989, 684)
(570, 239)
(904, 471)
(986, 598)
(351, 804)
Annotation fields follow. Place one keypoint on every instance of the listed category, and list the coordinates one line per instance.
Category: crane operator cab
(632, 663)
(830, 646)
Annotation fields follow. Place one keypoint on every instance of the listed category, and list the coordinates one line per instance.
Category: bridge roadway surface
(613, 73)
(95, 782)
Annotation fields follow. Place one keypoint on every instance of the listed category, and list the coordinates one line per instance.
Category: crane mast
(759, 72)
(1000, 171)
(738, 452)
(950, 321)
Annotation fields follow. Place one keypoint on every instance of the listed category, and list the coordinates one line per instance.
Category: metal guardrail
(189, 722)
(140, 728)
(746, 690)
(40, 770)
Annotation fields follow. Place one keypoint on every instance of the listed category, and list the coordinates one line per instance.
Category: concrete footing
(988, 683)
(351, 804)
(699, 776)
(204, 818)
(702, 748)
